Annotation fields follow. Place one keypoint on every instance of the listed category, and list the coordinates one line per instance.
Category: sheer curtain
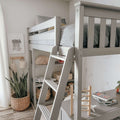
(4, 71)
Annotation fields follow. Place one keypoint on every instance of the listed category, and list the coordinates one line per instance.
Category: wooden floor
(10, 114)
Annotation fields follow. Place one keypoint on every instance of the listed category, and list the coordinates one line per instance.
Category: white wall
(20, 14)
(101, 72)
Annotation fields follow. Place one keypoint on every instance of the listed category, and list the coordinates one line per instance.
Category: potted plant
(118, 87)
(20, 99)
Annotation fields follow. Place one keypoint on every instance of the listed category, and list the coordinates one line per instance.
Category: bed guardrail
(53, 23)
(93, 11)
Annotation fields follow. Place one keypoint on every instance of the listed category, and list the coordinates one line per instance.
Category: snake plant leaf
(18, 84)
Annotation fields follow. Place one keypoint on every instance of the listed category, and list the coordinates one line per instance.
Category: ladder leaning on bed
(67, 57)
(49, 82)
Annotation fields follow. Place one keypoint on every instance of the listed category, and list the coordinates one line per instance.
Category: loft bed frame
(92, 11)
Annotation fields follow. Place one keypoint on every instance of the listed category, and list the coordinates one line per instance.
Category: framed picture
(16, 43)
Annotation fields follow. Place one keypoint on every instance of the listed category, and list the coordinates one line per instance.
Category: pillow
(41, 60)
(68, 35)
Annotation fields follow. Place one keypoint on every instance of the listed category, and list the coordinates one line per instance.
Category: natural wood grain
(88, 100)
(15, 58)
(10, 114)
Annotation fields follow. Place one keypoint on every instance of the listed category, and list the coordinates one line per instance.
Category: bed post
(57, 31)
(28, 65)
(79, 22)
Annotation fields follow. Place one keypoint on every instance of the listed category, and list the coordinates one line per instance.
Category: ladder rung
(52, 84)
(85, 91)
(85, 105)
(85, 110)
(45, 111)
(85, 100)
(59, 57)
(85, 95)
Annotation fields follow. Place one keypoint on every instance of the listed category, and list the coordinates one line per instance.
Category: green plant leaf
(18, 84)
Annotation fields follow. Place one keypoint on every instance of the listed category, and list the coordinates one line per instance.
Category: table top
(100, 110)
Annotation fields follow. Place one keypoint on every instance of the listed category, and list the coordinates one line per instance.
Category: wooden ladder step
(63, 58)
(85, 95)
(52, 84)
(85, 100)
(44, 111)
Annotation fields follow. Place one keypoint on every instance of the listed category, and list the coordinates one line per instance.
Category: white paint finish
(57, 26)
(72, 9)
(105, 2)
(102, 13)
(47, 24)
(79, 24)
(91, 32)
(102, 32)
(101, 51)
(113, 33)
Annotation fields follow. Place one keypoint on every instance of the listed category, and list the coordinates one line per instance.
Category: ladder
(59, 88)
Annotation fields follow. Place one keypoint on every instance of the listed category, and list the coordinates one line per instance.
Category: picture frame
(16, 43)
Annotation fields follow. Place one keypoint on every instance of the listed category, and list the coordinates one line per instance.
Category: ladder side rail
(48, 74)
(33, 76)
(37, 114)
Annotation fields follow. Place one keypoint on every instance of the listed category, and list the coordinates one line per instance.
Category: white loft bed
(91, 10)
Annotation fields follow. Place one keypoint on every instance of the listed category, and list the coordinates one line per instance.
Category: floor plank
(10, 114)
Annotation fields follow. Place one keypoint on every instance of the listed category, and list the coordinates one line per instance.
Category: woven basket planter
(20, 104)
(38, 93)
